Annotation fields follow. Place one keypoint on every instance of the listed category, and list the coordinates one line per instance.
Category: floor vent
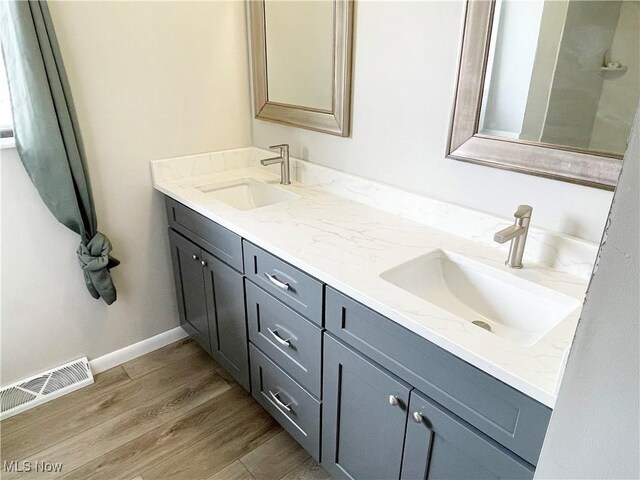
(43, 387)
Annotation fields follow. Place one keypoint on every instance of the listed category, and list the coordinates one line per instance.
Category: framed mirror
(301, 56)
(548, 87)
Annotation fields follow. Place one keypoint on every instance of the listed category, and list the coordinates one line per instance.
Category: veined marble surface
(346, 231)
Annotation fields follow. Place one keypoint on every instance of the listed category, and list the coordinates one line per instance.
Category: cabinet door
(189, 279)
(364, 416)
(440, 445)
(227, 319)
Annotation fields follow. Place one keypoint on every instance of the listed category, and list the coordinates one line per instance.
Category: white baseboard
(136, 350)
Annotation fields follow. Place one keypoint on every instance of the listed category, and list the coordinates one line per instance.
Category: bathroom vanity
(366, 395)
(382, 329)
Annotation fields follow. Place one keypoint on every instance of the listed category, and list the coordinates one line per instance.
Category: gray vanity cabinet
(190, 290)
(367, 397)
(499, 411)
(364, 416)
(440, 445)
(377, 426)
(207, 267)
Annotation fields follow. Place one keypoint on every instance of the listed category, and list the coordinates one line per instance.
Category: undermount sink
(498, 301)
(247, 193)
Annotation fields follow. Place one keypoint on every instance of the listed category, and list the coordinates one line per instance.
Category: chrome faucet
(517, 234)
(283, 160)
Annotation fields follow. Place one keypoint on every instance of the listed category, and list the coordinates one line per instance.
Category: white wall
(594, 430)
(404, 72)
(150, 80)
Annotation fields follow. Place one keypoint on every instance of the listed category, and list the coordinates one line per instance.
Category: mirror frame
(336, 121)
(467, 144)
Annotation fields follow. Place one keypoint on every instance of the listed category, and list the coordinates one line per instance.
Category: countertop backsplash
(555, 250)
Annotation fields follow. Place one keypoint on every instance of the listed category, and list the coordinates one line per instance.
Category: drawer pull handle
(279, 339)
(417, 417)
(394, 401)
(276, 282)
(203, 263)
(276, 398)
(195, 257)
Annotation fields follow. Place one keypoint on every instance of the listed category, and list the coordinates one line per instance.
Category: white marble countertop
(347, 245)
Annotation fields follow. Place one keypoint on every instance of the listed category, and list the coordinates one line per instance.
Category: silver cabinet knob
(203, 263)
(417, 417)
(195, 257)
(393, 400)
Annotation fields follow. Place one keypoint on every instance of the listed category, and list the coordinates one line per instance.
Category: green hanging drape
(47, 134)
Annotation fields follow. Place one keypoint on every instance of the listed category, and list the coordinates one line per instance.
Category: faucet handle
(523, 211)
(282, 147)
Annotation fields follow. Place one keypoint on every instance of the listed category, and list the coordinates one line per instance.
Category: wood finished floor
(171, 414)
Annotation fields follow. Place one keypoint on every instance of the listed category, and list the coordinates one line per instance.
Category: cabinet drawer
(294, 343)
(217, 240)
(296, 410)
(508, 416)
(291, 286)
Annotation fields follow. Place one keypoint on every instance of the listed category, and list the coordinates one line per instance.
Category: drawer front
(291, 286)
(217, 240)
(508, 416)
(296, 410)
(294, 343)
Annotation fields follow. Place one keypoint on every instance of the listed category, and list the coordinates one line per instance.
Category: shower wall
(577, 83)
(619, 97)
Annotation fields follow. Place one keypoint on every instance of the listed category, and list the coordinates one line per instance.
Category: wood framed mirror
(301, 58)
(531, 93)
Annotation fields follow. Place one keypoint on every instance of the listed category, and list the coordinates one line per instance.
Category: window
(6, 120)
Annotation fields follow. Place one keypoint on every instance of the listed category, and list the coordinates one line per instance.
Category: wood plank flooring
(171, 414)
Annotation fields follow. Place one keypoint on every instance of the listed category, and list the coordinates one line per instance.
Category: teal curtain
(47, 134)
